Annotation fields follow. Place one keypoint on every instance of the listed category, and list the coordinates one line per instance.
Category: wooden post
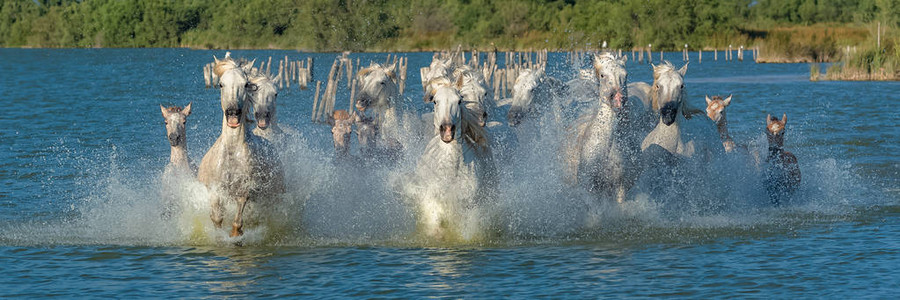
(352, 96)
(206, 75)
(309, 66)
(700, 56)
(316, 100)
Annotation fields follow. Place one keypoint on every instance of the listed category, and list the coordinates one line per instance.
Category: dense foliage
(409, 25)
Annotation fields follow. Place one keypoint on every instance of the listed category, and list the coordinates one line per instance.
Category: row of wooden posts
(729, 53)
(638, 54)
(500, 80)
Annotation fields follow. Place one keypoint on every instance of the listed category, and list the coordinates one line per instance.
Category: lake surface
(82, 215)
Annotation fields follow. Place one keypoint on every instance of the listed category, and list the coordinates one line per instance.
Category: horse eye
(183, 121)
(602, 76)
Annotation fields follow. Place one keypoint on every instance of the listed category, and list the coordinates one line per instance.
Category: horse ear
(390, 73)
(392, 70)
(362, 73)
(429, 95)
(708, 101)
(768, 120)
(728, 100)
(683, 69)
(186, 111)
(165, 112)
(784, 119)
(215, 59)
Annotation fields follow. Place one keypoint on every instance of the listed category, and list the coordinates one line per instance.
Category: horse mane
(372, 67)
(439, 82)
(658, 70)
(174, 109)
(257, 75)
(476, 134)
(340, 114)
(607, 55)
(365, 71)
(662, 68)
(228, 63)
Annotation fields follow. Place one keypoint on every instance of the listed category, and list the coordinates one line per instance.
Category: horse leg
(237, 226)
(215, 212)
(620, 193)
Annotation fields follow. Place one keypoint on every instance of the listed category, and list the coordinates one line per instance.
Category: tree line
(372, 25)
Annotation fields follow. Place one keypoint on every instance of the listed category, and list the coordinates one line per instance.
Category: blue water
(84, 146)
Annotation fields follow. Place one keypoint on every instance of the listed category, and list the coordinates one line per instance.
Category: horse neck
(606, 116)
(234, 136)
(722, 126)
(178, 156)
(776, 150)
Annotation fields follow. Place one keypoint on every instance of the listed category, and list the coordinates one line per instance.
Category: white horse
(604, 151)
(175, 120)
(438, 68)
(239, 166)
(650, 98)
(378, 94)
(667, 94)
(446, 177)
(264, 97)
(532, 96)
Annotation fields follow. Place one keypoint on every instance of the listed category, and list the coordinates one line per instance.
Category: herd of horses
(620, 132)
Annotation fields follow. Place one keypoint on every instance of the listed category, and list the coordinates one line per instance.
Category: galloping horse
(239, 166)
(378, 92)
(176, 118)
(782, 170)
(667, 97)
(603, 150)
(715, 110)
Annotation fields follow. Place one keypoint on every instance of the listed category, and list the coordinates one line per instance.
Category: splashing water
(362, 202)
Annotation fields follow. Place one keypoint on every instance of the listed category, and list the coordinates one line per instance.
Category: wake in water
(361, 202)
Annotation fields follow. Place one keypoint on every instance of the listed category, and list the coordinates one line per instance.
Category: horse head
(264, 98)
(775, 129)
(175, 119)
(523, 95)
(233, 85)
(340, 131)
(474, 94)
(446, 112)
(378, 84)
(715, 108)
(667, 92)
(609, 70)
